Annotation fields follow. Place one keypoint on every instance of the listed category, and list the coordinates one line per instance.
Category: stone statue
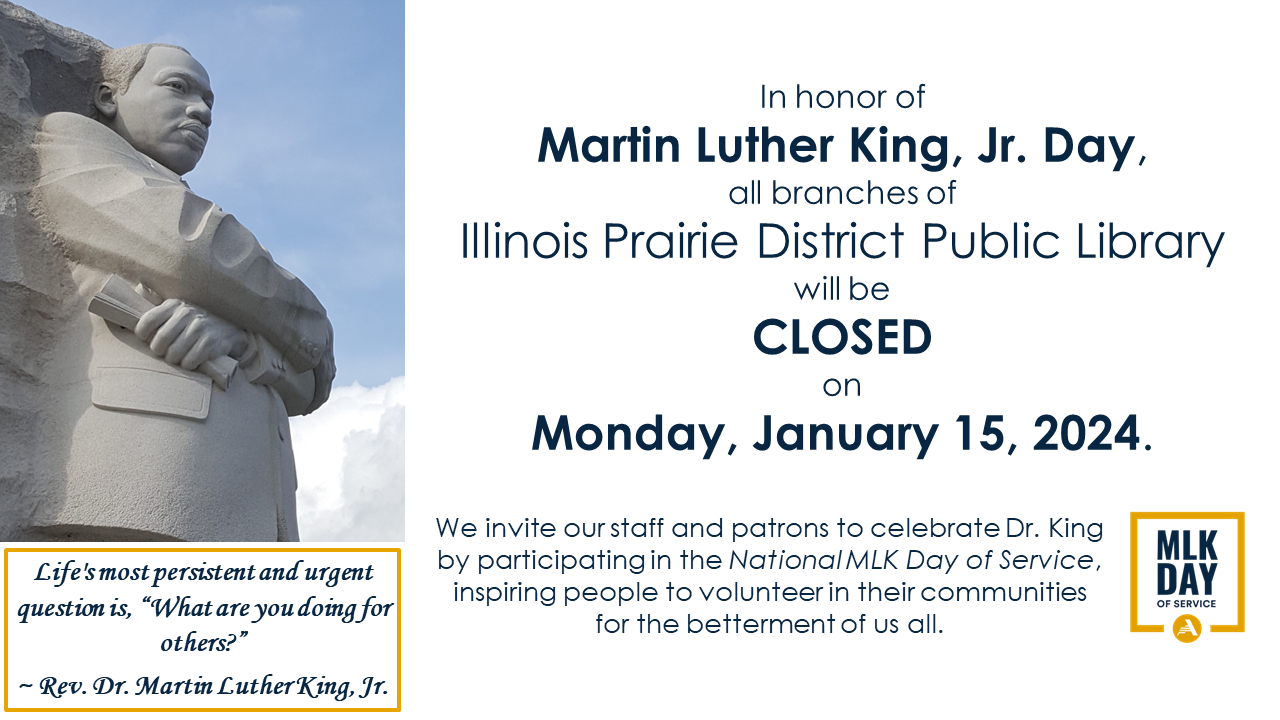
(137, 441)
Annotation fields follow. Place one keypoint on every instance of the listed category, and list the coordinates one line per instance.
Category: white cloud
(350, 458)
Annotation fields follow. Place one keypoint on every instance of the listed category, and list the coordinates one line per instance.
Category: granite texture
(44, 68)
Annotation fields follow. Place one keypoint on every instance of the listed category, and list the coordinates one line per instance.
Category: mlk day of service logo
(1186, 573)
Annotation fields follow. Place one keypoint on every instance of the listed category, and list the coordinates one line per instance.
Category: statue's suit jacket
(156, 451)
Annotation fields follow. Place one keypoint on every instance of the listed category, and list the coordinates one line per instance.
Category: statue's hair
(120, 65)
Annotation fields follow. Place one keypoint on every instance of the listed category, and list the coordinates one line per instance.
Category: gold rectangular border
(399, 619)
(1134, 517)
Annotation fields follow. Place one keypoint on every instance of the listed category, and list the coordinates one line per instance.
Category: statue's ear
(104, 99)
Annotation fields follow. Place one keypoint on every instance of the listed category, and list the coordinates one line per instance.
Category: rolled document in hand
(119, 303)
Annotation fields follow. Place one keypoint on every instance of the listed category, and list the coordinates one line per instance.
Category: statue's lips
(196, 134)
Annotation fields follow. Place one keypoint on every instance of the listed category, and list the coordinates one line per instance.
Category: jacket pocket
(152, 391)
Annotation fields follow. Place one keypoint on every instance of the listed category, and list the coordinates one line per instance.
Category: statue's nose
(202, 112)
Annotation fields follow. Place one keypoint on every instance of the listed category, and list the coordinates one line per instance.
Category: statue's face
(166, 112)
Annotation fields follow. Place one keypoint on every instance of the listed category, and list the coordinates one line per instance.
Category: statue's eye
(176, 85)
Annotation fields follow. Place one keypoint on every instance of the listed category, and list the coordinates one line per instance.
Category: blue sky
(307, 143)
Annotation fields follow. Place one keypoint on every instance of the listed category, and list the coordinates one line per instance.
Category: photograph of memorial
(171, 369)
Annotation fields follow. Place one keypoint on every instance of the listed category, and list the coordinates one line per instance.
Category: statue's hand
(324, 372)
(188, 336)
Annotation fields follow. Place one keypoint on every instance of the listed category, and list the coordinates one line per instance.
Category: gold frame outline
(1134, 517)
(399, 639)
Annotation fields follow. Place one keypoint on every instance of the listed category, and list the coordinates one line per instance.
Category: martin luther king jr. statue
(151, 444)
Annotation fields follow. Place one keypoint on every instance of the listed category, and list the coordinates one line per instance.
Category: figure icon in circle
(1187, 628)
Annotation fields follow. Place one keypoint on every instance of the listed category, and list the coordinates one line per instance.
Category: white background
(493, 344)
